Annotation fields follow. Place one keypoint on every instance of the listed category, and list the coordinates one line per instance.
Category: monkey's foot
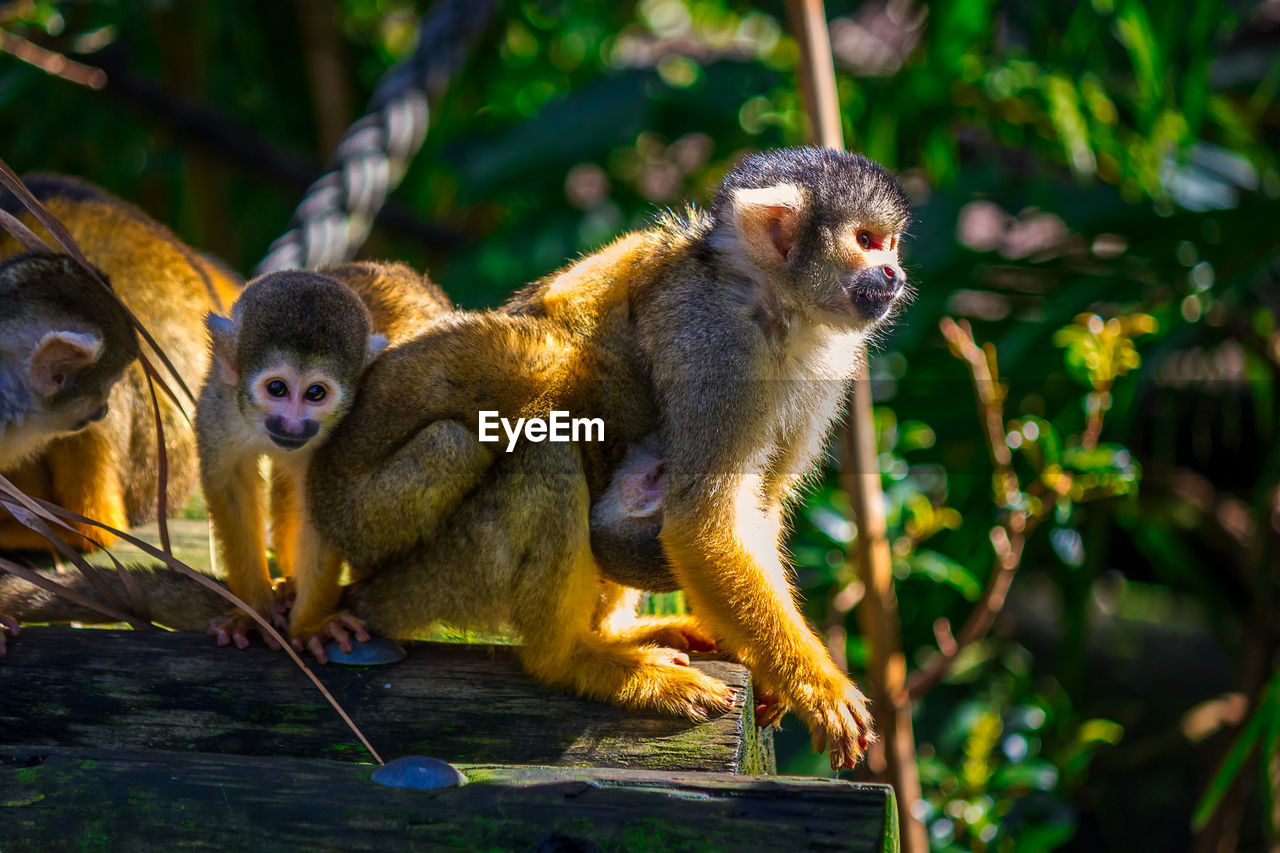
(236, 626)
(337, 627)
(769, 707)
(678, 632)
(640, 678)
(676, 688)
(841, 722)
(7, 623)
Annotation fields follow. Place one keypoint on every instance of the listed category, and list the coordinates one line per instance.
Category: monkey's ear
(60, 354)
(222, 334)
(377, 343)
(767, 220)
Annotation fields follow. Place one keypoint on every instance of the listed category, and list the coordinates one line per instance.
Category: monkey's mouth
(288, 442)
(871, 294)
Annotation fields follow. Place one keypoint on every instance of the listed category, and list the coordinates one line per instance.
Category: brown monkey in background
(731, 336)
(72, 430)
(284, 370)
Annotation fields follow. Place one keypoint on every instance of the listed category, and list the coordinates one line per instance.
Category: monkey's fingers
(855, 731)
(339, 627)
(841, 722)
(769, 708)
(235, 628)
(316, 645)
(690, 693)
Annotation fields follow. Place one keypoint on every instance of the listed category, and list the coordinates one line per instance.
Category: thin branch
(51, 62)
(1007, 538)
(990, 396)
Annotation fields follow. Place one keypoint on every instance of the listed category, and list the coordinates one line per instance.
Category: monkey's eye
(276, 388)
(315, 393)
(864, 239)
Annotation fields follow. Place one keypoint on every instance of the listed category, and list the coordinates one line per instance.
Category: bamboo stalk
(860, 477)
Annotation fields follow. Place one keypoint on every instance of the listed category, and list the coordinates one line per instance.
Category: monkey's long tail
(173, 599)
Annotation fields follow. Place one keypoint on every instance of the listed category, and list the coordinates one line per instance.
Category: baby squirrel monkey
(284, 370)
(76, 420)
(732, 337)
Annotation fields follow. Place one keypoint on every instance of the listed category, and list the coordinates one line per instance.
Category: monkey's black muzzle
(285, 438)
(873, 290)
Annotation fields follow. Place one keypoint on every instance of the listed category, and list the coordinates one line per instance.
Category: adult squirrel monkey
(730, 335)
(76, 421)
(285, 368)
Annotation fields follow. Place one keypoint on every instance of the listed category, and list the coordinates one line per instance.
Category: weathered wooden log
(469, 703)
(60, 799)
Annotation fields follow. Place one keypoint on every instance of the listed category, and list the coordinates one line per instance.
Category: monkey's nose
(889, 273)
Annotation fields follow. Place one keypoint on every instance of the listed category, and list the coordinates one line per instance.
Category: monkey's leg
(616, 618)
(403, 498)
(555, 593)
(234, 494)
(519, 547)
(286, 502)
(561, 649)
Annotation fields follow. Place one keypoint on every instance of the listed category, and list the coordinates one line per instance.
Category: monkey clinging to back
(285, 369)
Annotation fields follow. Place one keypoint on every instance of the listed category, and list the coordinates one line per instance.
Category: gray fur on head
(840, 185)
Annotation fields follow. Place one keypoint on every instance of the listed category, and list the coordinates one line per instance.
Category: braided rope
(335, 215)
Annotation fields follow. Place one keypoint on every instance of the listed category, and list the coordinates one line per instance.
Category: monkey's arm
(233, 491)
(286, 517)
(723, 538)
(400, 462)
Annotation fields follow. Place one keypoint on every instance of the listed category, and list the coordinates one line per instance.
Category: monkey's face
(295, 404)
(871, 279)
(25, 436)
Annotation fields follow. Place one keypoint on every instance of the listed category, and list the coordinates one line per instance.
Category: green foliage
(1096, 189)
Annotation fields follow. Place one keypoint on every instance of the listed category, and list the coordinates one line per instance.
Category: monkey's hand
(337, 627)
(769, 707)
(837, 717)
(7, 623)
(236, 626)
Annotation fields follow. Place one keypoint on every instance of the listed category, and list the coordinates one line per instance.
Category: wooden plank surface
(56, 799)
(152, 690)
